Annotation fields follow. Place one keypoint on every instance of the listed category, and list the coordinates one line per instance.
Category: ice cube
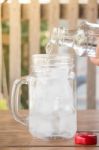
(67, 122)
(41, 126)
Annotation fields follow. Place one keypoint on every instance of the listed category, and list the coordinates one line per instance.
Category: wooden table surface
(14, 136)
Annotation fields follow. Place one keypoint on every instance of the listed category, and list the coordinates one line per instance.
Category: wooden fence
(52, 12)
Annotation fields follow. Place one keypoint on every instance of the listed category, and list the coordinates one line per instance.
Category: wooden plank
(54, 14)
(91, 69)
(13, 134)
(73, 12)
(72, 16)
(15, 42)
(51, 148)
(0, 53)
(34, 29)
(84, 117)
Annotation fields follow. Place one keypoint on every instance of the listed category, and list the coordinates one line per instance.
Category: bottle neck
(83, 40)
(62, 36)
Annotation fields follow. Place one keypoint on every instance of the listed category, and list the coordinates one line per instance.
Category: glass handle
(15, 98)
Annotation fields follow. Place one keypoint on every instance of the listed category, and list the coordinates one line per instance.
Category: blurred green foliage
(43, 35)
(5, 27)
(3, 104)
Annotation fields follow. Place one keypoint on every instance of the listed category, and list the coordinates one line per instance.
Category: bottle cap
(86, 138)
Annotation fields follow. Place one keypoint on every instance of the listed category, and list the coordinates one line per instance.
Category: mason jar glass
(52, 97)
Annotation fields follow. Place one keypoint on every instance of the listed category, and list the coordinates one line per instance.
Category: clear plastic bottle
(83, 40)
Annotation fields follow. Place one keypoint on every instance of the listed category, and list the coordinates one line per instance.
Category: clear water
(52, 112)
(61, 124)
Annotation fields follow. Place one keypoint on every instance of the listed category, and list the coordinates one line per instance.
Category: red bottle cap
(87, 138)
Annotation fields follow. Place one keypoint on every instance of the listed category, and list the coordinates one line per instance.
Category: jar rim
(51, 56)
(44, 59)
